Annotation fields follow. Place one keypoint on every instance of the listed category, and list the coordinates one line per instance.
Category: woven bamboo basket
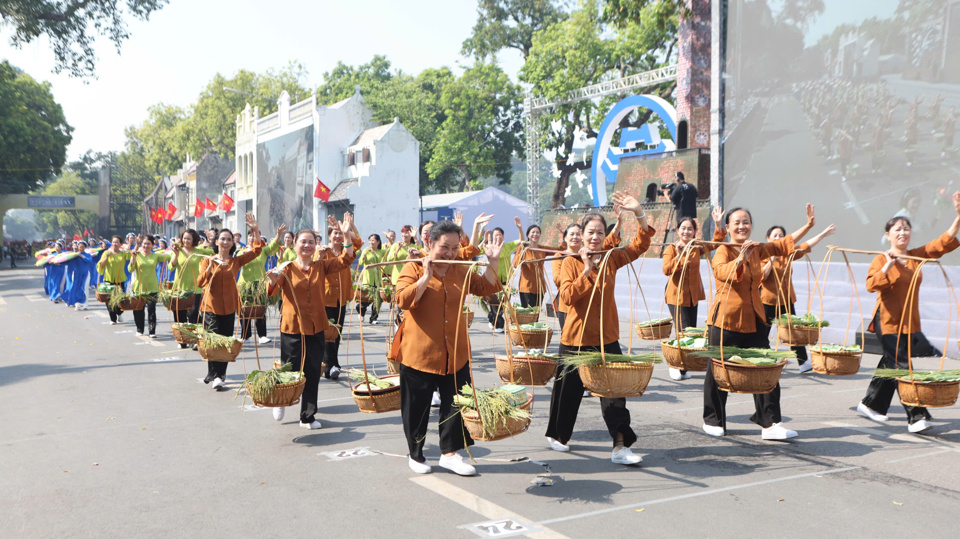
(103, 297)
(752, 379)
(168, 285)
(468, 318)
(252, 312)
(683, 358)
(617, 380)
(535, 338)
(835, 363)
(282, 395)
(523, 318)
(386, 296)
(378, 400)
(181, 304)
(134, 303)
(182, 337)
(656, 332)
(393, 366)
(510, 427)
(226, 355)
(543, 370)
(797, 335)
(928, 394)
(332, 332)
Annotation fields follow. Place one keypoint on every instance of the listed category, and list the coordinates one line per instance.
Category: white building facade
(371, 171)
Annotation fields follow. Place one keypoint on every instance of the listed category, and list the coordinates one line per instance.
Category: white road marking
(477, 504)
(698, 494)
(2, 301)
(36, 298)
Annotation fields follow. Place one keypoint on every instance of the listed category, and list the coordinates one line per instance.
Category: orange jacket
(691, 289)
(304, 294)
(221, 295)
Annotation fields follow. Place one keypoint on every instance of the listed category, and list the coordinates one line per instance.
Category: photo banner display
(285, 182)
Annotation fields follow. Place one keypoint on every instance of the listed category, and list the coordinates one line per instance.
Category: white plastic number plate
(507, 527)
(348, 454)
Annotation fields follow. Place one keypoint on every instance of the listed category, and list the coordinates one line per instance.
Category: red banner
(171, 211)
(198, 209)
(322, 191)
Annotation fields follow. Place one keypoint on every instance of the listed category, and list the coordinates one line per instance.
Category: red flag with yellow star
(322, 191)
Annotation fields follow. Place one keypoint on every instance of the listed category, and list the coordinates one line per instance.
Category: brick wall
(693, 73)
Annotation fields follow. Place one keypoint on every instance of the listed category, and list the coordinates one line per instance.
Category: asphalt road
(106, 434)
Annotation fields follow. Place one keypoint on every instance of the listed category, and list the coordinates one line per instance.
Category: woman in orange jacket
(339, 284)
(890, 277)
(684, 290)
(218, 275)
(736, 318)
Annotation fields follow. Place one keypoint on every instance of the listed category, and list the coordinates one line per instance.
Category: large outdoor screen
(285, 181)
(848, 104)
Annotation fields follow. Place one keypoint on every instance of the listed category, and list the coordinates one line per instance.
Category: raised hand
(458, 218)
(347, 224)
(251, 221)
(811, 219)
(717, 215)
(627, 202)
(482, 220)
(492, 247)
(956, 202)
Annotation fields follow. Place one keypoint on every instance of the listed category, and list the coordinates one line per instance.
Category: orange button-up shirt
(339, 283)
(609, 242)
(433, 340)
(780, 280)
(221, 295)
(532, 279)
(892, 287)
(582, 326)
(304, 295)
(689, 292)
(737, 304)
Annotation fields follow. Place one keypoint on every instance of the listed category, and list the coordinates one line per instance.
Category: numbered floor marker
(348, 454)
(505, 527)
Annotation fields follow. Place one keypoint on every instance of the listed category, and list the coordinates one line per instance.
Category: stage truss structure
(533, 107)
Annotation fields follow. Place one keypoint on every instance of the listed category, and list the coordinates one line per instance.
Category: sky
(171, 57)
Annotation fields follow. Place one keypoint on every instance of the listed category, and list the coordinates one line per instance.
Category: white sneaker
(139, 334)
(375, 322)
(76, 307)
(489, 325)
(623, 455)
(360, 318)
(311, 426)
(334, 373)
(920, 426)
(418, 467)
(498, 330)
(686, 376)
(868, 412)
(113, 323)
(777, 432)
(278, 414)
(217, 383)
(675, 374)
(557, 446)
(587, 394)
(435, 401)
(455, 464)
(713, 430)
(806, 366)
(264, 340)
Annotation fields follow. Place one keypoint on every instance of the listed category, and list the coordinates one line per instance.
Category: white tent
(491, 200)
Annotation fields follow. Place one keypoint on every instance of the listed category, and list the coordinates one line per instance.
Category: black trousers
(880, 391)
(567, 394)
(222, 324)
(261, 324)
(191, 315)
(530, 299)
(416, 394)
(362, 310)
(715, 401)
(291, 351)
(771, 312)
(332, 356)
(688, 318)
(495, 316)
(115, 313)
(149, 312)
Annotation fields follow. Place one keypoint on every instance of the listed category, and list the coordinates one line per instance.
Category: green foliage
(509, 24)
(482, 130)
(34, 133)
(72, 26)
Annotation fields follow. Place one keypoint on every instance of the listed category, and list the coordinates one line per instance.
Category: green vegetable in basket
(920, 376)
(525, 310)
(359, 376)
(261, 384)
(688, 342)
(745, 354)
(806, 321)
(536, 326)
(656, 322)
(106, 288)
(540, 354)
(694, 332)
(495, 406)
(592, 359)
(837, 348)
(213, 340)
(190, 330)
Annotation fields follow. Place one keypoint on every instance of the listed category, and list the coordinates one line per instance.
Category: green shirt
(371, 277)
(288, 255)
(505, 266)
(397, 253)
(111, 266)
(188, 268)
(256, 269)
(143, 269)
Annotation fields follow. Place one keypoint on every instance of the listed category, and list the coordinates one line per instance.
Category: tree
(509, 24)
(67, 24)
(481, 133)
(50, 222)
(584, 50)
(34, 134)
(161, 140)
(342, 81)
